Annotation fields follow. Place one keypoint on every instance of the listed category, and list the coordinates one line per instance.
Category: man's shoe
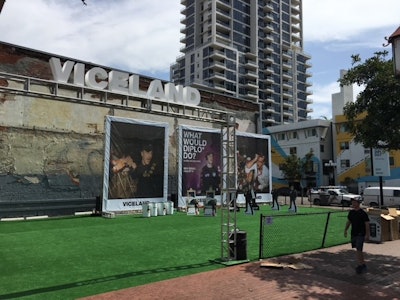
(364, 268)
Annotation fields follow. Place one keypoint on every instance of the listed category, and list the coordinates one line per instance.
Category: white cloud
(336, 29)
(340, 20)
(322, 97)
(144, 36)
(137, 36)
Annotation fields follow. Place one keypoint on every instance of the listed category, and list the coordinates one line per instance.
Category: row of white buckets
(154, 209)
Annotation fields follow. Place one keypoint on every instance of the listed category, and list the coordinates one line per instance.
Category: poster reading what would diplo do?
(200, 163)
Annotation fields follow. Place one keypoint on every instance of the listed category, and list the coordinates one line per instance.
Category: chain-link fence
(296, 233)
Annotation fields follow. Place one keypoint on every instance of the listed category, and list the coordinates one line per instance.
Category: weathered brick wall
(37, 164)
(51, 149)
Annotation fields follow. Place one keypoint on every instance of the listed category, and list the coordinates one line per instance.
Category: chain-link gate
(296, 233)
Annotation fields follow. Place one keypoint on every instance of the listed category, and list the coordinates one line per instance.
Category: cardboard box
(384, 225)
(388, 225)
(395, 226)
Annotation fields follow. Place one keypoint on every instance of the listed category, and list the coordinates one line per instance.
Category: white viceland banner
(135, 164)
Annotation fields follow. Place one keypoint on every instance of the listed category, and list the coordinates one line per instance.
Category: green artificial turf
(68, 258)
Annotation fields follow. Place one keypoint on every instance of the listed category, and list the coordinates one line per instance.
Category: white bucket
(161, 208)
(169, 207)
(146, 210)
(153, 209)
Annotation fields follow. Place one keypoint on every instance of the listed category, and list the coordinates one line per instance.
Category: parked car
(333, 196)
(391, 196)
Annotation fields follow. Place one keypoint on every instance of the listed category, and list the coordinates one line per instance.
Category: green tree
(374, 118)
(291, 168)
(294, 169)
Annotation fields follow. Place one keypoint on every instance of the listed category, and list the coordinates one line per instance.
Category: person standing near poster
(292, 197)
(147, 174)
(210, 175)
(249, 193)
(248, 187)
(275, 203)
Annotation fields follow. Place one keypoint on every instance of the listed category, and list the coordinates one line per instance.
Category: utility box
(375, 227)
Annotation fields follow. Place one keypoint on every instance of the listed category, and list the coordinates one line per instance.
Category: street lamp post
(394, 39)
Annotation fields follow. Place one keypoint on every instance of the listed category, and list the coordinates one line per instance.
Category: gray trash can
(241, 245)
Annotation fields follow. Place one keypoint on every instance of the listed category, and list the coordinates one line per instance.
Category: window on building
(311, 132)
(391, 161)
(281, 136)
(341, 128)
(293, 150)
(322, 148)
(344, 145)
(345, 163)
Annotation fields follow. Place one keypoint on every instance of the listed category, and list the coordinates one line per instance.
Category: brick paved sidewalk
(324, 274)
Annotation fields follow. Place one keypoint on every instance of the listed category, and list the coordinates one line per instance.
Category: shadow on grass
(332, 275)
(104, 279)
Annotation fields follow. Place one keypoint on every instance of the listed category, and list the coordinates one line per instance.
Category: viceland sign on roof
(122, 82)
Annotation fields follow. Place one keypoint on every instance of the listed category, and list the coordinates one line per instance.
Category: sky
(143, 36)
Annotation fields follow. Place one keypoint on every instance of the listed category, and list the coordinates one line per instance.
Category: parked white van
(391, 196)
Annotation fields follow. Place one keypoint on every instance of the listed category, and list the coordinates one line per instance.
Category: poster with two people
(253, 167)
(200, 165)
(135, 164)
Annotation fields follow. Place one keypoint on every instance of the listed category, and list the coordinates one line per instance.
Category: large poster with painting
(135, 168)
(199, 164)
(254, 166)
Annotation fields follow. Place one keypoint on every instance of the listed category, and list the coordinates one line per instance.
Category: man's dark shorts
(357, 242)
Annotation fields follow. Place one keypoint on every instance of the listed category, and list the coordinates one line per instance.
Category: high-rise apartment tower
(252, 49)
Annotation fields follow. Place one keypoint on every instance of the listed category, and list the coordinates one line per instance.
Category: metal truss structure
(229, 188)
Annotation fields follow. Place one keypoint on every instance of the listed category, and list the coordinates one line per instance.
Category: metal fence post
(326, 229)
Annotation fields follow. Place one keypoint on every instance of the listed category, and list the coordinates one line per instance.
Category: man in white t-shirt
(261, 172)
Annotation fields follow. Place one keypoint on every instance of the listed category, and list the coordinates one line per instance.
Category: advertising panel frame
(253, 147)
(140, 134)
(192, 154)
